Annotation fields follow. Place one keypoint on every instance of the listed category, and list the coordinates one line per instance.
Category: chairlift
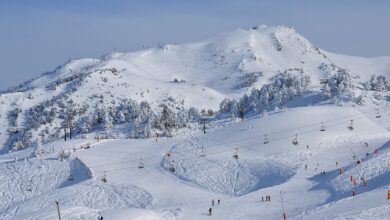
(29, 186)
(104, 177)
(295, 140)
(141, 164)
(322, 127)
(235, 155)
(172, 168)
(202, 152)
(378, 115)
(266, 141)
(350, 126)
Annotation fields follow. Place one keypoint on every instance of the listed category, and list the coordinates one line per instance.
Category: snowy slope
(262, 169)
(199, 75)
(362, 66)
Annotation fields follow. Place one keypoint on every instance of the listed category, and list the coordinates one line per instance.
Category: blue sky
(36, 36)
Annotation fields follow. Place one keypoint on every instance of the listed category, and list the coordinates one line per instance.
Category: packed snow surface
(205, 169)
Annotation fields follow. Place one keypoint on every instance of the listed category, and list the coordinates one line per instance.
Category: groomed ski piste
(205, 169)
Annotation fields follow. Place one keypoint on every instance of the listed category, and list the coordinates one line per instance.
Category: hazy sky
(38, 35)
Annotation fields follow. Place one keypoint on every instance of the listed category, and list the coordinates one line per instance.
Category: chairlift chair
(378, 115)
(350, 126)
(266, 141)
(295, 140)
(104, 178)
(29, 186)
(202, 152)
(322, 127)
(172, 168)
(141, 164)
(235, 155)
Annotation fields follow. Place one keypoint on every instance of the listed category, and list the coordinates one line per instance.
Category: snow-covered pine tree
(167, 119)
(326, 91)
(193, 114)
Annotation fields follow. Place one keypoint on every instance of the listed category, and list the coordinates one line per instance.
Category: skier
(269, 198)
(212, 202)
(210, 210)
(262, 198)
(305, 166)
(219, 201)
(307, 146)
(337, 163)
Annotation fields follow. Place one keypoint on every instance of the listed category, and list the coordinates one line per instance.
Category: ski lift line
(157, 163)
(131, 160)
(229, 149)
(355, 154)
(281, 131)
(125, 161)
(283, 210)
(280, 137)
(354, 163)
(316, 124)
(257, 136)
(297, 128)
(355, 166)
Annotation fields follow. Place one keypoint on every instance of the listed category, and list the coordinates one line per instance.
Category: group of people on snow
(267, 198)
(212, 204)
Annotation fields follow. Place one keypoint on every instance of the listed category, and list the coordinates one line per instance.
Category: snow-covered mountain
(196, 75)
(170, 91)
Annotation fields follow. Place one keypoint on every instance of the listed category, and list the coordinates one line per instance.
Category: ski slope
(236, 161)
(261, 169)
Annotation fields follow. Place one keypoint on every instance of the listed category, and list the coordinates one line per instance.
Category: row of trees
(49, 118)
(339, 86)
(377, 83)
(282, 88)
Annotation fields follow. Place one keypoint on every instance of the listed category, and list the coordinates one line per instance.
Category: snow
(364, 67)
(261, 169)
(205, 169)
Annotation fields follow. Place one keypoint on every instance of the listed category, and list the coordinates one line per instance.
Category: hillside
(242, 115)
